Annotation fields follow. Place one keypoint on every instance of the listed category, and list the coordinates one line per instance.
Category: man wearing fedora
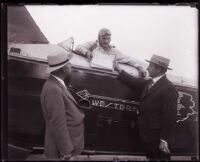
(103, 46)
(64, 134)
(158, 108)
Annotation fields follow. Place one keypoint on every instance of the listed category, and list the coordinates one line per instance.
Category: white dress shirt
(60, 80)
(157, 79)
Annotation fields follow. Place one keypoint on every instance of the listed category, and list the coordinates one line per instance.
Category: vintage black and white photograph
(115, 82)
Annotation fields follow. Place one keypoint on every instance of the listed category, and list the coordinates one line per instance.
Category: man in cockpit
(103, 45)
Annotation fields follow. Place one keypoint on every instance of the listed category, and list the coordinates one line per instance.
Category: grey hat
(57, 60)
(160, 61)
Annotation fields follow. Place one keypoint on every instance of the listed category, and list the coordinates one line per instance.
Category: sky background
(138, 31)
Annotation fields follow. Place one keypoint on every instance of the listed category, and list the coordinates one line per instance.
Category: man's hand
(116, 66)
(142, 72)
(89, 55)
(66, 157)
(163, 146)
(72, 158)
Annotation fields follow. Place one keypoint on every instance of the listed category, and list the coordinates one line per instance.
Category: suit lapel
(154, 87)
(69, 95)
(64, 89)
(145, 90)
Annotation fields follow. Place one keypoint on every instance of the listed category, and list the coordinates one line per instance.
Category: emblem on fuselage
(108, 102)
(185, 106)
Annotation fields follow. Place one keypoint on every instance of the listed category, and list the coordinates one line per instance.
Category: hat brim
(51, 69)
(157, 64)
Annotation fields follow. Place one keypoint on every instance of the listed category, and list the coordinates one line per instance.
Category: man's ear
(160, 70)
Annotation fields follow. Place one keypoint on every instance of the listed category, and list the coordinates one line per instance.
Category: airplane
(110, 106)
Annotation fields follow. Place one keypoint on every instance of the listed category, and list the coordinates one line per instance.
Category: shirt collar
(60, 80)
(108, 49)
(157, 78)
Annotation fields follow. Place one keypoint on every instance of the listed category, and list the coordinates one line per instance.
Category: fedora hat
(160, 61)
(57, 60)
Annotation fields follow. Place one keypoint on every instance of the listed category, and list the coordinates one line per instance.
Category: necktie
(150, 84)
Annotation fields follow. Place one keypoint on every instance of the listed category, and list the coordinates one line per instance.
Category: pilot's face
(104, 41)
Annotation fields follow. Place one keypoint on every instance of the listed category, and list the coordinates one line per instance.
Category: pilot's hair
(103, 32)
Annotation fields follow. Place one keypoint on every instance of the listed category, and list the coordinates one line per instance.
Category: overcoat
(158, 109)
(64, 121)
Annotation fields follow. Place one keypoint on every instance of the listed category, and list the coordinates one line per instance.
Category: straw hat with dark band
(57, 60)
(160, 61)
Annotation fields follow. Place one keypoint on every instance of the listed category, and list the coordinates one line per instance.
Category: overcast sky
(137, 31)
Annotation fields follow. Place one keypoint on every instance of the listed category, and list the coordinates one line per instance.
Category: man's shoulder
(169, 85)
(51, 85)
(115, 51)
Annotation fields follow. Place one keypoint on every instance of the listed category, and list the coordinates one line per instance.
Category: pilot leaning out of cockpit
(103, 46)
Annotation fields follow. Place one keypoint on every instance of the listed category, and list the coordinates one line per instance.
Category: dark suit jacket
(64, 122)
(158, 108)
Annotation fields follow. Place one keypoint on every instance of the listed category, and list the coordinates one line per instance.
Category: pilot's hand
(116, 66)
(89, 55)
(163, 146)
(142, 72)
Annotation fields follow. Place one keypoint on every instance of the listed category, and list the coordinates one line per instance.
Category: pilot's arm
(86, 49)
(121, 58)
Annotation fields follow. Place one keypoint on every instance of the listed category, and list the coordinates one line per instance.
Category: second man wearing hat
(158, 108)
(64, 135)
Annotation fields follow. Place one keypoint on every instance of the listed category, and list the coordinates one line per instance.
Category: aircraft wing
(22, 28)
